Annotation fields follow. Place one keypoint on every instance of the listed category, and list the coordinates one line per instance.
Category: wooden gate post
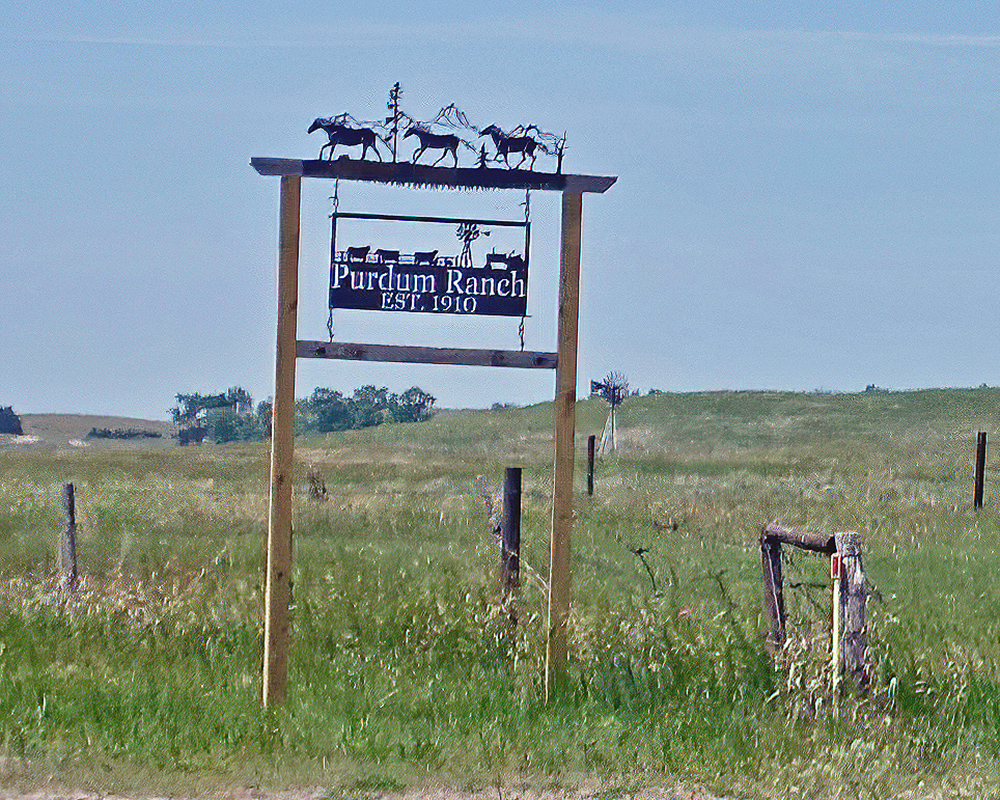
(564, 412)
(279, 522)
(850, 607)
(774, 599)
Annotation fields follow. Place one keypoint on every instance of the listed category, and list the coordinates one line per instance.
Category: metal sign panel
(366, 277)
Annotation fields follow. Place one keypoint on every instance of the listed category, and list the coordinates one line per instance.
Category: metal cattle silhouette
(358, 253)
(426, 257)
(349, 137)
(507, 144)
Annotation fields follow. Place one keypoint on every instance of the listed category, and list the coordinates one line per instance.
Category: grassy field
(405, 669)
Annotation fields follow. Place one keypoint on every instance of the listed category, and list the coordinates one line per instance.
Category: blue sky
(807, 193)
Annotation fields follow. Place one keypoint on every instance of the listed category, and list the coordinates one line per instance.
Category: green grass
(405, 668)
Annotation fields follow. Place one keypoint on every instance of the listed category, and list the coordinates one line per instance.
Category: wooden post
(836, 653)
(565, 428)
(591, 442)
(279, 522)
(852, 598)
(511, 531)
(774, 599)
(67, 544)
(980, 479)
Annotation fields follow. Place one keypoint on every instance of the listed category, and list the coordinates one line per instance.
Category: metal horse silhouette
(446, 142)
(341, 134)
(506, 144)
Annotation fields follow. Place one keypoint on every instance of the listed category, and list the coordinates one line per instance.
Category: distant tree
(326, 410)
(10, 422)
(189, 405)
(223, 429)
(413, 405)
(240, 399)
(263, 415)
(370, 406)
(235, 420)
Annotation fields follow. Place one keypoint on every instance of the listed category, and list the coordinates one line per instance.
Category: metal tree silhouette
(392, 121)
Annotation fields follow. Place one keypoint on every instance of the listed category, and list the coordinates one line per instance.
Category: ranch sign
(429, 265)
(431, 281)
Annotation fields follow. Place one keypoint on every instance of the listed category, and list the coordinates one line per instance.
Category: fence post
(774, 601)
(836, 634)
(980, 480)
(510, 552)
(67, 543)
(591, 446)
(851, 606)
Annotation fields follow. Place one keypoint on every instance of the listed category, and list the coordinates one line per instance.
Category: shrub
(10, 422)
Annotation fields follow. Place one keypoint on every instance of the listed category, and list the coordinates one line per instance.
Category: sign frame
(390, 280)
(279, 536)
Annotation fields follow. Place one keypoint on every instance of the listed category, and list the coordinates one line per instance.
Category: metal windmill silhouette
(468, 232)
(614, 389)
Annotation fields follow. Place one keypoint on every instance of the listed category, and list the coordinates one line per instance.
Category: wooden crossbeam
(347, 351)
(807, 540)
(419, 175)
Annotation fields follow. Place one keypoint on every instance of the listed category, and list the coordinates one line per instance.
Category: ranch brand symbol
(374, 278)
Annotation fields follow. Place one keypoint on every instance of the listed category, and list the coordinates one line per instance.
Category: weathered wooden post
(852, 597)
(980, 477)
(67, 542)
(836, 656)
(591, 447)
(278, 590)
(510, 552)
(564, 412)
(774, 599)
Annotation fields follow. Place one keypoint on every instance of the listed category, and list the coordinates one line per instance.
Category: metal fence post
(67, 544)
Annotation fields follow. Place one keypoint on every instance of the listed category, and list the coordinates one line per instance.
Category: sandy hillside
(69, 431)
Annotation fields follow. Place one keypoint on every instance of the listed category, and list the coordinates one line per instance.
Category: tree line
(231, 416)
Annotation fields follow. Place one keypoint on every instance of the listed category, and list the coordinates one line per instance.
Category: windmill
(614, 389)
(468, 232)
